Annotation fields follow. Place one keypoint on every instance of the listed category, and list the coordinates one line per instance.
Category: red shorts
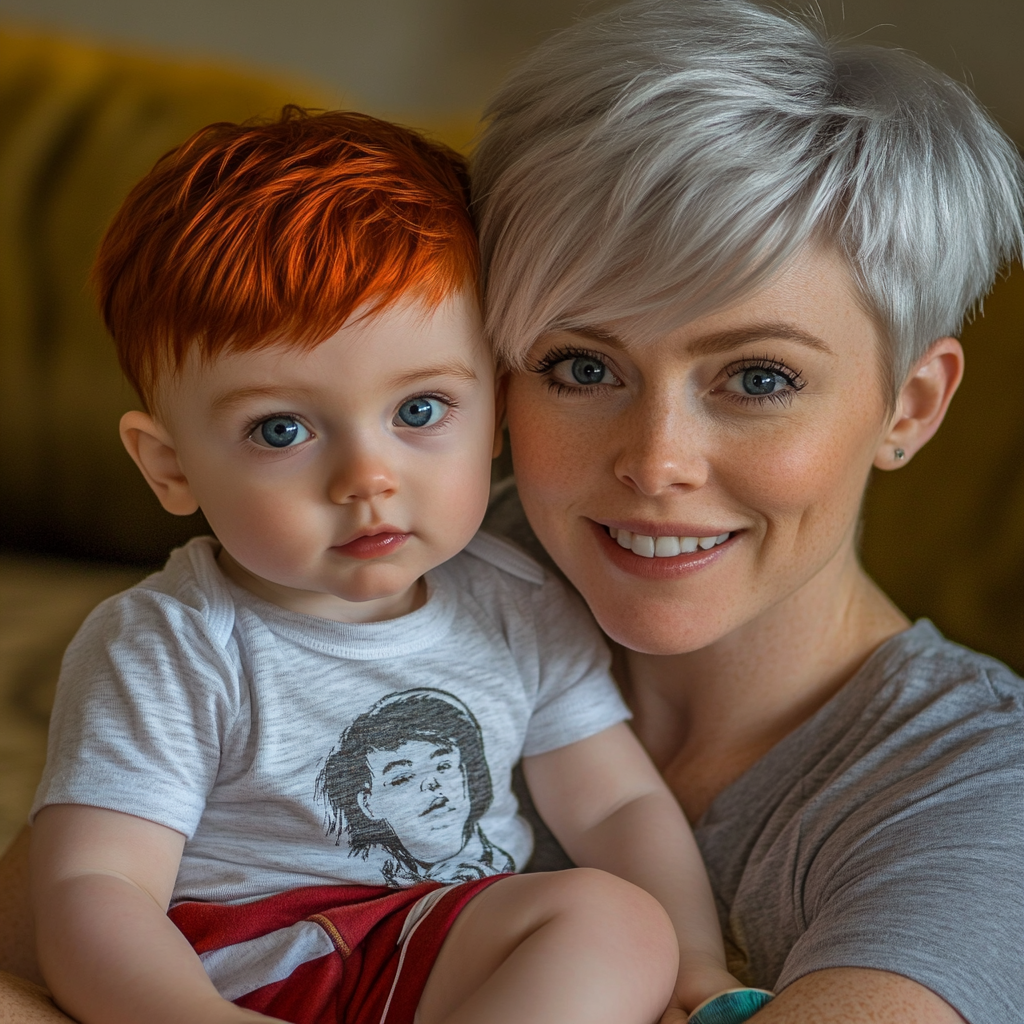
(333, 954)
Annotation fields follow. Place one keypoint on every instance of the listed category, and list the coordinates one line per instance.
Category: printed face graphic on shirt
(407, 785)
(420, 790)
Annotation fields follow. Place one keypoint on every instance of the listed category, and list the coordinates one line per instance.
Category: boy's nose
(361, 477)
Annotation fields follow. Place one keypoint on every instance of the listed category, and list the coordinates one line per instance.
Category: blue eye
(280, 432)
(586, 370)
(422, 411)
(759, 381)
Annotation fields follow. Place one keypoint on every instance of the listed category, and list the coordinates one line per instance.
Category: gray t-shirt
(887, 831)
(292, 750)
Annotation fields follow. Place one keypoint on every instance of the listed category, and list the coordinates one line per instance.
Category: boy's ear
(152, 448)
(922, 403)
(500, 392)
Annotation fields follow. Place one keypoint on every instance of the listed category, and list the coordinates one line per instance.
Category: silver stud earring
(900, 454)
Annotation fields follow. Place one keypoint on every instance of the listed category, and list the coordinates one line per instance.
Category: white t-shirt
(292, 750)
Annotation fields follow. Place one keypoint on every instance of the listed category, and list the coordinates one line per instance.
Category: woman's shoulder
(920, 675)
(893, 811)
(923, 721)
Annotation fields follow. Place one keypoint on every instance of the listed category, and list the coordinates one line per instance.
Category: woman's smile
(660, 554)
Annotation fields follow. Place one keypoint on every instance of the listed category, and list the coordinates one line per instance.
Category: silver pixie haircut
(660, 159)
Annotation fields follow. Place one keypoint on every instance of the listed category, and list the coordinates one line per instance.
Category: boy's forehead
(388, 351)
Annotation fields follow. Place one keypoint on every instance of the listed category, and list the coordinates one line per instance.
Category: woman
(724, 262)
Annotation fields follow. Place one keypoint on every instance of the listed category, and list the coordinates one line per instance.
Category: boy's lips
(382, 541)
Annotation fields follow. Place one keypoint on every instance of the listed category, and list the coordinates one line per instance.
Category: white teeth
(666, 547)
(642, 546)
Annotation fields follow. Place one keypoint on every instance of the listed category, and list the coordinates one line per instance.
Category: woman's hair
(422, 714)
(661, 159)
(278, 231)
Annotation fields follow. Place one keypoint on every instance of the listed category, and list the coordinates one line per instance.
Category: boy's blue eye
(280, 432)
(421, 411)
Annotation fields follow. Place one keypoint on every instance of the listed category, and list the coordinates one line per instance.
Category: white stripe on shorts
(246, 966)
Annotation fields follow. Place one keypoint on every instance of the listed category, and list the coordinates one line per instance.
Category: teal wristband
(732, 1007)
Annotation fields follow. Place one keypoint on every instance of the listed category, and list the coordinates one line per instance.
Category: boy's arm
(101, 884)
(609, 808)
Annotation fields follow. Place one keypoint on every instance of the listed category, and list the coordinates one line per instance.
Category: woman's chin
(661, 628)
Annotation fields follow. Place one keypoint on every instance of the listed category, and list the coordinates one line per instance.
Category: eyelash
(793, 378)
(560, 355)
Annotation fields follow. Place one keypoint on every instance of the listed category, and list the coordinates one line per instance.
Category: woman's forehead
(798, 303)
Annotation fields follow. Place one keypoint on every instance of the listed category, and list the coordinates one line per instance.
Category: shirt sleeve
(929, 887)
(143, 703)
(577, 697)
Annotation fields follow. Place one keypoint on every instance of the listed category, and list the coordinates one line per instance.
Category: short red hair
(278, 231)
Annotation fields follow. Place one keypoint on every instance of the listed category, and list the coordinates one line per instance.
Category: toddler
(300, 734)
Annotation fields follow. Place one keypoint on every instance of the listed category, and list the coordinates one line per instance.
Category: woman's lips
(373, 546)
(662, 566)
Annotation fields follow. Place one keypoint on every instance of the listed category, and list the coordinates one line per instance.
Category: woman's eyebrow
(456, 369)
(591, 332)
(723, 341)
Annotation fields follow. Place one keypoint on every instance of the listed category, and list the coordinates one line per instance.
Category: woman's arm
(101, 883)
(852, 995)
(610, 809)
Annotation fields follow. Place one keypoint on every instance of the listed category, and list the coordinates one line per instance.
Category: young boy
(300, 735)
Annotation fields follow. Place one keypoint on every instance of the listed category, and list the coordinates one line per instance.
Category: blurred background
(92, 92)
(431, 59)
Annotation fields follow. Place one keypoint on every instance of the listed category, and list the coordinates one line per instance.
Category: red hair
(267, 232)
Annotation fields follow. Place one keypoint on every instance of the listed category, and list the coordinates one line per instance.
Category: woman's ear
(922, 403)
(152, 448)
(500, 393)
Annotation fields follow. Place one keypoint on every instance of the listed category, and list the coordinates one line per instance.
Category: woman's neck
(708, 715)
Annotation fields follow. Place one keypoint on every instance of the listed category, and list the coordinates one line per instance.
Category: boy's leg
(554, 948)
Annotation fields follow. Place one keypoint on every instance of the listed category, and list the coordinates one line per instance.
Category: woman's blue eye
(759, 381)
(281, 432)
(422, 411)
(586, 370)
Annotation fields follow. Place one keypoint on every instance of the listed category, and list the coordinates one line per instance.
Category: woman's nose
(360, 476)
(660, 450)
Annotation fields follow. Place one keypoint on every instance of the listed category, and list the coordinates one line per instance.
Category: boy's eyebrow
(456, 369)
(238, 396)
